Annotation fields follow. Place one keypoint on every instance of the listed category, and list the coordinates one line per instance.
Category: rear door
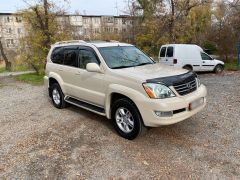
(208, 63)
(167, 55)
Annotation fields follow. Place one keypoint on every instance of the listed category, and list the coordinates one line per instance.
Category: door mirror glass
(93, 67)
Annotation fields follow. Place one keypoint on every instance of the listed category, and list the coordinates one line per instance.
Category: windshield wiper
(120, 67)
(144, 64)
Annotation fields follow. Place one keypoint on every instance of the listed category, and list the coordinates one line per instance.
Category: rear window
(170, 51)
(162, 52)
(58, 55)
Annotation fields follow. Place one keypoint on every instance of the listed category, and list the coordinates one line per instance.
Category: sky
(88, 7)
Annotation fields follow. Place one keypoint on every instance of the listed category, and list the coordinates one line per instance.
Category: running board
(85, 105)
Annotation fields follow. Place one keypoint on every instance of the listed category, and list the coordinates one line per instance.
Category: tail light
(175, 61)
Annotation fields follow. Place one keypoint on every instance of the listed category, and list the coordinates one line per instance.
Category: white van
(189, 56)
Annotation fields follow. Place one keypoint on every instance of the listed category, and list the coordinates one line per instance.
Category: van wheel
(127, 120)
(187, 67)
(219, 69)
(57, 96)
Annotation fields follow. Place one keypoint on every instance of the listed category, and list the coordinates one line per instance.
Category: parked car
(189, 56)
(119, 81)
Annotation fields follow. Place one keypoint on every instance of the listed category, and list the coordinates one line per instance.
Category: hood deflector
(174, 80)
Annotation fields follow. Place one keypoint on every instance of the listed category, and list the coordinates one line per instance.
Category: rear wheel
(188, 67)
(57, 96)
(126, 118)
(219, 69)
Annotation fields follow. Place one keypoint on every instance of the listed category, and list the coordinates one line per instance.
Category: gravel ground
(38, 141)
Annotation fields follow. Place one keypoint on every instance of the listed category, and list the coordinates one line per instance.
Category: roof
(95, 43)
(110, 44)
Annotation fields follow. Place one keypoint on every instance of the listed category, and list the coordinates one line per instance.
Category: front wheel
(126, 118)
(219, 69)
(57, 96)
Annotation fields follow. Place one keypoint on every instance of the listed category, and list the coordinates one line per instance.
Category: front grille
(186, 87)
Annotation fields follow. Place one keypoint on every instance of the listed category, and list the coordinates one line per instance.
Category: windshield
(124, 56)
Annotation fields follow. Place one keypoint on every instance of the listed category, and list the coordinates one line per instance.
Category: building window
(18, 19)
(115, 21)
(116, 30)
(19, 30)
(85, 20)
(96, 30)
(8, 19)
(9, 30)
(97, 20)
(124, 21)
(9, 42)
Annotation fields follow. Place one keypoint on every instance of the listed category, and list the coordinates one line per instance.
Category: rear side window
(170, 51)
(58, 55)
(71, 57)
(162, 52)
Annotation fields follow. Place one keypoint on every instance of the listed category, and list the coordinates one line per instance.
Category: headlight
(158, 91)
(198, 82)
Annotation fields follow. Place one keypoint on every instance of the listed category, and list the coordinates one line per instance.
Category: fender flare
(132, 94)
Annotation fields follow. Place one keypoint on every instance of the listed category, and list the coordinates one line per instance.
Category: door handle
(203, 61)
(60, 69)
(166, 59)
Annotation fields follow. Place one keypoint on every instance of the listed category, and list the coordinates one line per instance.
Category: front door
(208, 63)
(90, 86)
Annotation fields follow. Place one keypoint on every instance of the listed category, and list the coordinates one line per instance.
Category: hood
(150, 71)
(218, 61)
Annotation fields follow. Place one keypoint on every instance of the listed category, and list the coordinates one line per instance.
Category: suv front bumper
(148, 107)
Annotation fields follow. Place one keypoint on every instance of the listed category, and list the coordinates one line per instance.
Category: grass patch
(231, 66)
(2, 70)
(32, 78)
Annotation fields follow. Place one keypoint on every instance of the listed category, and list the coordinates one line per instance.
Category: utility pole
(238, 53)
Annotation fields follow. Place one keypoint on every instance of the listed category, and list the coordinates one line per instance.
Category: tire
(126, 118)
(57, 96)
(187, 67)
(218, 69)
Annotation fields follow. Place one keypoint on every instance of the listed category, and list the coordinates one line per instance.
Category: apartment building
(84, 27)
(11, 29)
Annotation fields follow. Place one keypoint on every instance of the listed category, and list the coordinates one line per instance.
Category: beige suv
(119, 81)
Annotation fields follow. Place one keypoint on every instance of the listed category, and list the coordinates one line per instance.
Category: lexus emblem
(189, 86)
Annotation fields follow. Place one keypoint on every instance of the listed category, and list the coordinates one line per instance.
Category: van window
(162, 52)
(205, 56)
(70, 57)
(58, 55)
(170, 51)
(85, 57)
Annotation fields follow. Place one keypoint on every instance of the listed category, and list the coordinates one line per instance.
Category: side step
(85, 105)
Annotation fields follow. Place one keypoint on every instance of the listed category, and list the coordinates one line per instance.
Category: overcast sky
(89, 7)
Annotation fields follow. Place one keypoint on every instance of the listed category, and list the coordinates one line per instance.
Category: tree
(8, 64)
(42, 29)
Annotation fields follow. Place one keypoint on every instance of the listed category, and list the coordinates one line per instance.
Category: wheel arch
(55, 78)
(118, 92)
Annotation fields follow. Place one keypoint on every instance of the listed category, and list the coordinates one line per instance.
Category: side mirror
(93, 67)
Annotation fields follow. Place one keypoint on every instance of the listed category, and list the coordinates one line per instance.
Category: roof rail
(70, 41)
(113, 41)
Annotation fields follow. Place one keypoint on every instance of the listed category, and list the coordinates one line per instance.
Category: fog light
(164, 114)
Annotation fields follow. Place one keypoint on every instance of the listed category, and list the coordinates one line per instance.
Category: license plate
(195, 104)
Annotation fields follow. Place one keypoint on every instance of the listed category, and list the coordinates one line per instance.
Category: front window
(124, 56)
(205, 56)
